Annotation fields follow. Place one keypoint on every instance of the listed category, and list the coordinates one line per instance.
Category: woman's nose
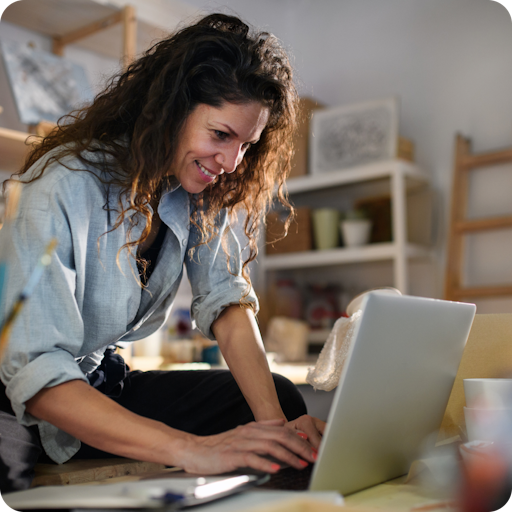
(230, 158)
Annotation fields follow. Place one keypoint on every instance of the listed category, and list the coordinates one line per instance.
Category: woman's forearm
(240, 342)
(85, 413)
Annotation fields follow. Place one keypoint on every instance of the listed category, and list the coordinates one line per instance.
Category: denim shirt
(85, 301)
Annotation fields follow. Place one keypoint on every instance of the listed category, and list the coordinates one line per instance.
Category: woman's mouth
(206, 172)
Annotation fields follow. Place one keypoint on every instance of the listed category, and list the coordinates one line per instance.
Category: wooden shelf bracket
(126, 16)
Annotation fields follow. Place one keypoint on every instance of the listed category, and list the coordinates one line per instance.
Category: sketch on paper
(353, 135)
(44, 86)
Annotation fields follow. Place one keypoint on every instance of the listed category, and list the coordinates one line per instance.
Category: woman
(132, 187)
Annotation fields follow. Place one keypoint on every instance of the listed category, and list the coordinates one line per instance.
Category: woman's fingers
(313, 428)
(320, 425)
(248, 446)
(283, 443)
(261, 464)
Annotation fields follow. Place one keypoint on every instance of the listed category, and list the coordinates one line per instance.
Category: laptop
(393, 390)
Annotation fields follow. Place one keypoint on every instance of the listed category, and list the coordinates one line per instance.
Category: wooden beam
(481, 291)
(487, 159)
(59, 42)
(460, 187)
(129, 19)
(483, 224)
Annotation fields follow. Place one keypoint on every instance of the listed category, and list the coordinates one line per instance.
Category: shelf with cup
(405, 186)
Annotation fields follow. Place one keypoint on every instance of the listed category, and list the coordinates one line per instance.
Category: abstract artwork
(353, 135)
(44, 86)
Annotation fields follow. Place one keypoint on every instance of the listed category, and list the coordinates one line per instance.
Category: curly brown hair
(135, 122)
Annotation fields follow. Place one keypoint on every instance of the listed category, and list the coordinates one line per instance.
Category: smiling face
(214, 140)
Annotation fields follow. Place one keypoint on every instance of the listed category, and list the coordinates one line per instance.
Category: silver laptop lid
(393, 389)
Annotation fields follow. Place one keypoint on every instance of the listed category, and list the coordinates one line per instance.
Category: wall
(449, 62)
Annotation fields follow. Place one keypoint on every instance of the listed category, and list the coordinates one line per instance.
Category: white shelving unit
(400, 177)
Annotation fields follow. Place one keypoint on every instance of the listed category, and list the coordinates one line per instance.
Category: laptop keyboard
(289, 479)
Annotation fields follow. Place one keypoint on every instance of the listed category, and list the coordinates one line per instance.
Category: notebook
(393, 390)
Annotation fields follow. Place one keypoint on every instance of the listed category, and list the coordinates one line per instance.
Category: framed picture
(45, 86)
(353, 135)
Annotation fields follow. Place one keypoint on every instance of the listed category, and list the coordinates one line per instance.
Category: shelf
(353, 175)
(12, 149)
(155, 19)
(342, 256)
(404, 182)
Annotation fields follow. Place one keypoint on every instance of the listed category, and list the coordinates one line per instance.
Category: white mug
(488, 393)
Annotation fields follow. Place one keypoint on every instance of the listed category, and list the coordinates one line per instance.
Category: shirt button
(184, 241)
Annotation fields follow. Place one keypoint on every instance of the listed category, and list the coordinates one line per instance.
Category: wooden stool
(90, 470)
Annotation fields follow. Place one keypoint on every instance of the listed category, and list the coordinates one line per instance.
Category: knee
(290, 397)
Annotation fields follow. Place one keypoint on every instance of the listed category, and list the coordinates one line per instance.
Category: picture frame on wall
(352, 135)
(45, 87)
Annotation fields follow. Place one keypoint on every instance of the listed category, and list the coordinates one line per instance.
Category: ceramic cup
(355, 232)
(325, 228)
(487, 424)
(488, 393)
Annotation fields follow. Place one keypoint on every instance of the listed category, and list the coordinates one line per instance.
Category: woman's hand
(247, 446)
(313, 428)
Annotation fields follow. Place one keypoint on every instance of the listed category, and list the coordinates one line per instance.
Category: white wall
(449, 62)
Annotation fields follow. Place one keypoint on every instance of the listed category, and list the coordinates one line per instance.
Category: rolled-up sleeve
(215, 278)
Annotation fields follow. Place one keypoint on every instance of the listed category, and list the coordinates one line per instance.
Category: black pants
(200, 402)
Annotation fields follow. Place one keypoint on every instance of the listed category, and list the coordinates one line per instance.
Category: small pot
(355, 232)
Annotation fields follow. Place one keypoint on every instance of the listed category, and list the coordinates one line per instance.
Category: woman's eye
(221, 135)
(247, 145)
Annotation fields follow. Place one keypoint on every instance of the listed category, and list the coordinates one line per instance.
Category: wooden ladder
(460, 225)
